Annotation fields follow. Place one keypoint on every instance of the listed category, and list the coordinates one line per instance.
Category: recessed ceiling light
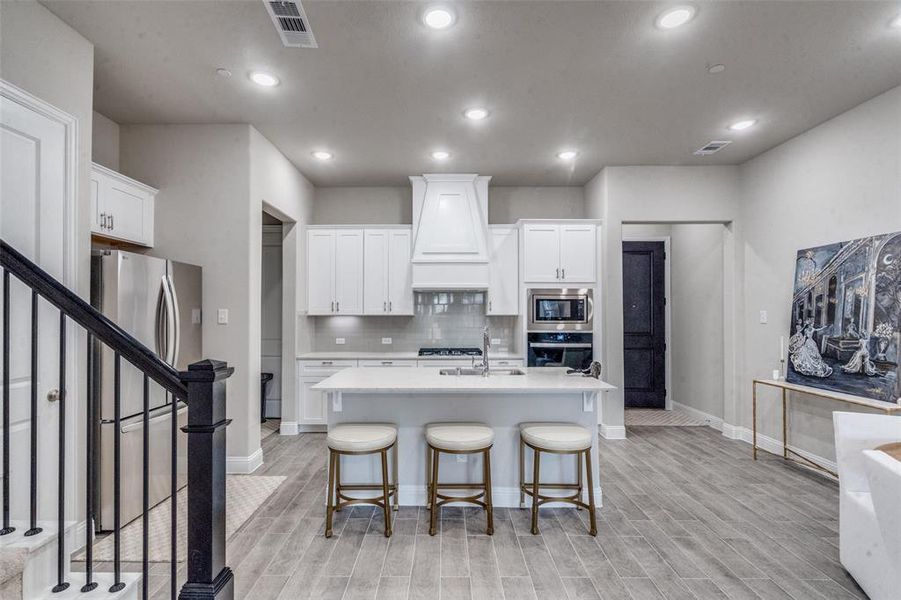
(323, 155)
(476, 113)
(223, 73)
(675, 17)
(714, 69)
(438, 17)
(896, 22)
(440, 155)
(743, 124)
(264, 79)
(567, 154)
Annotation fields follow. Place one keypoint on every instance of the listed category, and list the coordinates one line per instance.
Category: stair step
(33, 543)
(131, 591)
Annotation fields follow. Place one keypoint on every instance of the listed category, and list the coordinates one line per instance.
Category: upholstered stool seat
(566, 437)
(458, 438)
(357, 439)
(361, 437)
(556, 438)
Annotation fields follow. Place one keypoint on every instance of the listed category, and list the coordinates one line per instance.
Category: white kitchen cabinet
(388, 362)
(121, 208)
(387, 283)
(560, 253)
(335, 271)
(503, 286)
(313, 403)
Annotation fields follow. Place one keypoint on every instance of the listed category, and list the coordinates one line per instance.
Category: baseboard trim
(288, 428)
(709, 420)
(775, 446)
(733, 432)
(242, 465)
(312, 428)
(613, 432)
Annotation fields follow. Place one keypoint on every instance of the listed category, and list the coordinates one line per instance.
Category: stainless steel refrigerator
(157, 301)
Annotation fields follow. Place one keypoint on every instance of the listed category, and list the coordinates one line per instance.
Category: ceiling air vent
(291, 23)
(712, 147)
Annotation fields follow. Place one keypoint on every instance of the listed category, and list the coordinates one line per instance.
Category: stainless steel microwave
(561, 309)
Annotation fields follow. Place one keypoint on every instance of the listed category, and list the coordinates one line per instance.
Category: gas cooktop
(450, 352)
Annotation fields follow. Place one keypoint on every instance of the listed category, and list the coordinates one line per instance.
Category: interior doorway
(644, 324)
(270, 325)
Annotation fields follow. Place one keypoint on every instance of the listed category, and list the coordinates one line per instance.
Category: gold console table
(888, 408)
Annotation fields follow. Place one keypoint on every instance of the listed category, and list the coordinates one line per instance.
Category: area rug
(243, 495)
(661, 418)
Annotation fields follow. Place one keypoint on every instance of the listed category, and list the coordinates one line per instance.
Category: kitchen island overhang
(413, 397)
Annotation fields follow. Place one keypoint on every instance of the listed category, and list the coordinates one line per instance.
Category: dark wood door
(644, 328)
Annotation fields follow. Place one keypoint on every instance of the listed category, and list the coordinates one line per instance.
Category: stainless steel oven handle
(556, 345)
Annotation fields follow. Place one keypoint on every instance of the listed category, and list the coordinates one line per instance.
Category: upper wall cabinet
(121, 208)
(560, 253)
(503, 286)
(387, 279)
(335, 271)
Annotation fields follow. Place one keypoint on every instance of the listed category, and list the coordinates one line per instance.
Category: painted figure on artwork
(804, 354)
(860, 362)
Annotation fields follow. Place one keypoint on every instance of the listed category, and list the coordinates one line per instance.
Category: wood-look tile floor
(687, 515)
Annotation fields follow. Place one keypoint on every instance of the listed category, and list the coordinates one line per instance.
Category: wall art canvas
(846, 318)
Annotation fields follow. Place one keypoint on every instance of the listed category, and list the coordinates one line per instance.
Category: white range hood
(450, 232)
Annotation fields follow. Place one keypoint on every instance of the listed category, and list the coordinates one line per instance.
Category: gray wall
(105, 142)
(388, 205)
(213, 182)
(838, 181)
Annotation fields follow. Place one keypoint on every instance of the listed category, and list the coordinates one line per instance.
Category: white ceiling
(382, 91)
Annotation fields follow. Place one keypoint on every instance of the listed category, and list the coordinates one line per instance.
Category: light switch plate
(339, 341)
(222, 316)
(386, 340)
(763, 317)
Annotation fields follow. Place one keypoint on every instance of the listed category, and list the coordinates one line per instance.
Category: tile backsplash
(440, 319)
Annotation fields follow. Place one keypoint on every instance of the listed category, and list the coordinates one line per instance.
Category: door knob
(53, 395)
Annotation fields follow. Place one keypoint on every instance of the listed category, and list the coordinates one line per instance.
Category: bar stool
(356, 439)
(555, 438)
(458, 438)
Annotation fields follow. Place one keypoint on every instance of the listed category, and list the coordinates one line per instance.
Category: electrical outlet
(763, 317)
(386, 341)
(339, 341)
(222, 316)
(496, 341)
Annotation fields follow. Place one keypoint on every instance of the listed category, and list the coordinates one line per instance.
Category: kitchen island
(412, 397)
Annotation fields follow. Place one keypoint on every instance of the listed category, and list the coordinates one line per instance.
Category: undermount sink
(471, 371)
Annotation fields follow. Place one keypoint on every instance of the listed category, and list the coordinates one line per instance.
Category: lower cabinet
(313, 403)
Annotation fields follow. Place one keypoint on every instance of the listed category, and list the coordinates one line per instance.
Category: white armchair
(869, 506)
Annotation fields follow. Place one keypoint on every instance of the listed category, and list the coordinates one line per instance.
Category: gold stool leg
(394, 473)
(535, 476)
(522, 474)
(487, 482)
(433, 505)
(337, 481)
(330, 506)
(579, 471)
(386, 499)
(592, 519)
(428, 477)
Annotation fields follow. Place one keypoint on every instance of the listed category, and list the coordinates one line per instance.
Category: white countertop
(425, 380)
(359, 355)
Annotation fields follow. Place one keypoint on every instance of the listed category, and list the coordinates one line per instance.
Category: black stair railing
(202, 387)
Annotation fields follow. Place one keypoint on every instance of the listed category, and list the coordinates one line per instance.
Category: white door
(400, 273)
(578, 254)
(349, 272)
(375, 272)
(36, 198)
(541, 252)
(503, 287)
(313, 408)
(98, 224)
(321, 271)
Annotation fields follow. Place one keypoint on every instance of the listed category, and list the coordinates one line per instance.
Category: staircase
(36, 550)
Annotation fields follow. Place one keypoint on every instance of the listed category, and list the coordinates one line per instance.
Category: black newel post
(208, 577)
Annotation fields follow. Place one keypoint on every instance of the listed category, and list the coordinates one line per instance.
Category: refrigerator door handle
(162, 335)
(176, 322)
